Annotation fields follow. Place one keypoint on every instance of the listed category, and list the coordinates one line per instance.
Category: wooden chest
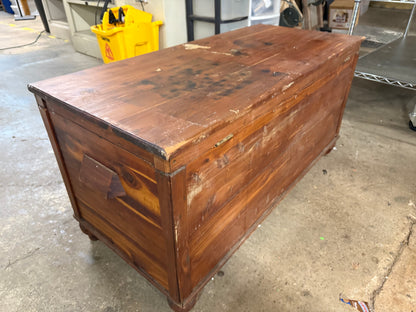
(173, 158)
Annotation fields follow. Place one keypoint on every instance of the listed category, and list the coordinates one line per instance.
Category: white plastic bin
(264, 12)
(268, 21)
(204, 29)
(229, 8)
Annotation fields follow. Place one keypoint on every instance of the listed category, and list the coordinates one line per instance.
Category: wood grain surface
(169, 99)
(135, 215)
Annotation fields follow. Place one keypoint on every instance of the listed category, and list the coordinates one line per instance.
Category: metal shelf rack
(216, 20)
(394, 63)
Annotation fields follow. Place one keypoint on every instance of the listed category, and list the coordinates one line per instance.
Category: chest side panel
(117, 193)
(232, 186)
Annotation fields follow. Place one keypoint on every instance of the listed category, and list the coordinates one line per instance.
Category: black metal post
(41, 10)
(189, 19)
(217, 16)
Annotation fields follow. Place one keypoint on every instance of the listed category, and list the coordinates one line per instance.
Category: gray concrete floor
(346, 228)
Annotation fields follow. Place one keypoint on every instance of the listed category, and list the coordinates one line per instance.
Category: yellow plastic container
(137, 35)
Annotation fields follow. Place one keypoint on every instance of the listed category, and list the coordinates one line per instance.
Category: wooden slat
(175, 224)
(181, 235)
(114, 135)
(45, 114)
(132, 253)
(164, 183)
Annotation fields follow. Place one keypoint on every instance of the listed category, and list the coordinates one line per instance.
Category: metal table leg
(410, 20)
(412, 122)
(354, 16)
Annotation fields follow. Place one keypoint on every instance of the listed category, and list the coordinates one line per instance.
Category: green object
(321, 238)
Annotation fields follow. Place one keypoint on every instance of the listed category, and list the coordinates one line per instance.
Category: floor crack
(28, 255)
(403, 244)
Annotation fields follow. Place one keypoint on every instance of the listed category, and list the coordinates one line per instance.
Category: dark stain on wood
(236, 52)
(211, 83)
(244, 44)
(277, 74)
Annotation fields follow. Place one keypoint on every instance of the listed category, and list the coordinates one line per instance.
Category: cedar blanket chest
(173, 158)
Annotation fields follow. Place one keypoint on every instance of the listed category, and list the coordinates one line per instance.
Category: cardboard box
(340, 14)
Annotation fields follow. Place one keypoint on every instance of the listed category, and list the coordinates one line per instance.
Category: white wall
(175, 15)
(171, 13)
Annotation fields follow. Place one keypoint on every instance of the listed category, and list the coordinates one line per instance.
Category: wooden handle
(100, 178)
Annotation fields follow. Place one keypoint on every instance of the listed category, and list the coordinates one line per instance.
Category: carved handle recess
(100, 178)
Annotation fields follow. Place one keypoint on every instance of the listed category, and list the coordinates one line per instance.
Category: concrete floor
(347, 228)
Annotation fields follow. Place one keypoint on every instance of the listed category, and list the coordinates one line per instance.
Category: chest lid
(167, 100)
